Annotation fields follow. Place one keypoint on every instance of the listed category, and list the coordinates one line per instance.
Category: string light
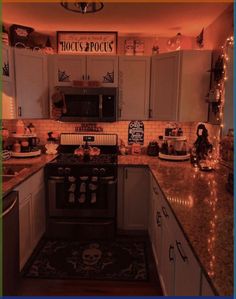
(221, 85)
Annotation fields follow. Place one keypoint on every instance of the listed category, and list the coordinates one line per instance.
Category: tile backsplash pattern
(152, 129)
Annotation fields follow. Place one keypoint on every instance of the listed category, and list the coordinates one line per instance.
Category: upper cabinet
(64, 69)
(31, 81)
(179, 84)
(134, 81)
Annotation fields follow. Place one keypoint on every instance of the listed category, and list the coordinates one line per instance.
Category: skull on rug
(91, 255)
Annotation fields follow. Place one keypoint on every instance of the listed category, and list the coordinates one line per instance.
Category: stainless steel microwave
(90, 104)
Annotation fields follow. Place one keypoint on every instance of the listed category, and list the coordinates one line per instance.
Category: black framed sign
(86, 42)
(136, 132)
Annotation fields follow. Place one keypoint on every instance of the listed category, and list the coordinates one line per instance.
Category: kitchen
(155, 219)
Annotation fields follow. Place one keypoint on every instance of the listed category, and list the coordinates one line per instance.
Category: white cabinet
(187, 269)
(179, 84)
(31, 77)
(178, 268)
(134, 200)
(31, 214)
(134, 81)
(64, 69)
(8, 84)
(103, 69)
(25, 219)
(38, 214)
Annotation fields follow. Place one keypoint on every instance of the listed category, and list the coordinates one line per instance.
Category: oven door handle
(56, 178)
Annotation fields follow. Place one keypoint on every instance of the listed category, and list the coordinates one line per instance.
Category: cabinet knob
(158, 218)
(171, 253)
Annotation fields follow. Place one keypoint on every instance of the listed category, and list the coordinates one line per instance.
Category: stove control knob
(60, 171)
(95, 171)
(67, 171)
(102, 171)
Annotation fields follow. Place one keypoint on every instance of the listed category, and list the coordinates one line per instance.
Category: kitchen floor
(78, 287)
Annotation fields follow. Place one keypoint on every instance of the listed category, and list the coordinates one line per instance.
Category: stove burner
(94, 160)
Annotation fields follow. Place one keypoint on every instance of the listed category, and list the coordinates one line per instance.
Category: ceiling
(160, 19)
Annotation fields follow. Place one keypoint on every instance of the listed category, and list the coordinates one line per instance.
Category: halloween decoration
(202, 145)
(200, 39)
(58, 103)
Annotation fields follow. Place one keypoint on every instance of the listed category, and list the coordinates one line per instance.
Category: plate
(174, 158)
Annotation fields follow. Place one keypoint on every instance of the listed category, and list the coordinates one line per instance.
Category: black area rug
(117, 260)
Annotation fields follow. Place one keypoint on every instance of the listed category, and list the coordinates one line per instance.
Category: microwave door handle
(100, 106)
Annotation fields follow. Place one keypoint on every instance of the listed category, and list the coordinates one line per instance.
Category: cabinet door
(25, 219)
(67, 68)
(134, 81)
(194, 85)
(187, 269)
(136, 183)
(157, 223)
(164, 86)
(167, 265)
(38, 214)
(31, 84)
(103, 69)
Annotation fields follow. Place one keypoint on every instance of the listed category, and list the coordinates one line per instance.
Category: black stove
(82, 190)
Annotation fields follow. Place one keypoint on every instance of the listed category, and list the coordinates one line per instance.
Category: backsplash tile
(152, 129)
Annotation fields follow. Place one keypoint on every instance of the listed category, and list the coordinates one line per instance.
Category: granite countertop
(35, 164)
(204, 210)
(199, 201)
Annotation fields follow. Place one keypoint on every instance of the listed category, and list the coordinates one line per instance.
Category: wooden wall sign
(136, 132)
(83, 42)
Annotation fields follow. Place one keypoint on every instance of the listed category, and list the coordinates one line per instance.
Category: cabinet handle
(126, 174)
(171, 249)
(83, 77)
(165, 212)
(181, 251)
(88, 77)
(155, 190)
(120, 112)
(150, 113)
(19, 111)
(158, 218)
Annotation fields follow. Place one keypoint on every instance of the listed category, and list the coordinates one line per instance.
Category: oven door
(82, 198)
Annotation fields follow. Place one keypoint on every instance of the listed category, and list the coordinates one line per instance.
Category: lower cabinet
(179, 271)
(133, 198)
(206, 289)
(31, 214)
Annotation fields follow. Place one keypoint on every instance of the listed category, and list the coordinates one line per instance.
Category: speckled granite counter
(35, 165)
(204, 210)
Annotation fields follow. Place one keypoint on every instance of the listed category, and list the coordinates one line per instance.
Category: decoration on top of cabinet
(83, 42)
(136, 132)
(63, 77)
(83, 7)
(200, 39)
(174, 43)
(109, 77)
(19, 35)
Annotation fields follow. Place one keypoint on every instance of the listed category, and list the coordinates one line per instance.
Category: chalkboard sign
(136, 132)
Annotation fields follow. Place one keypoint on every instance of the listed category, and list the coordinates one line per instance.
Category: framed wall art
(86, 42)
